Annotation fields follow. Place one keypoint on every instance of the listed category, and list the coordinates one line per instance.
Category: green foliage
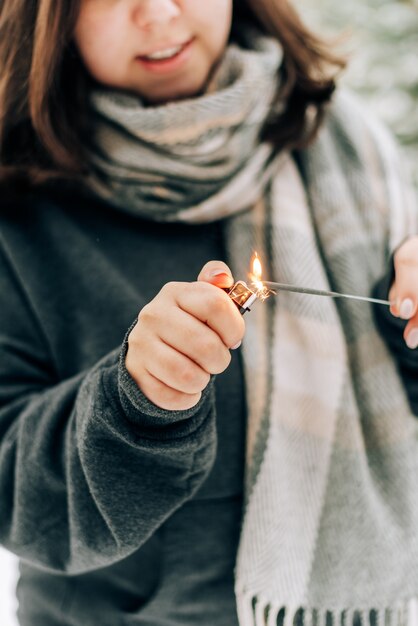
(381, 38)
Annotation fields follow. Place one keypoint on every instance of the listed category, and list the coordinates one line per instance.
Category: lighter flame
(257, 267)
(255, 275)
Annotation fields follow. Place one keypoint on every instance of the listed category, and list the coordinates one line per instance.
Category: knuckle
(219, 304)
(200, 288)
(195, 288)
(190, 377)
(147, 315)
(170, 288)
(209, 346)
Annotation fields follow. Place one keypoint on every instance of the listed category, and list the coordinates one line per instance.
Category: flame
(255, 275)
(257, 267)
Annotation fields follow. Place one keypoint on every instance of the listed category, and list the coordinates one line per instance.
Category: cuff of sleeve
(153, 420)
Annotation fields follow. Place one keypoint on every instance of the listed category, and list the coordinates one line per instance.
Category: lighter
(242, 295)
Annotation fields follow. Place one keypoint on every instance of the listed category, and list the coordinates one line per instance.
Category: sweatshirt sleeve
(89, 468)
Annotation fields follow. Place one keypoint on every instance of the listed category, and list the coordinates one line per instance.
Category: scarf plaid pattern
(330, 530)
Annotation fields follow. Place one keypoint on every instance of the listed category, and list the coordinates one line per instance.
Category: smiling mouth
(166, 54)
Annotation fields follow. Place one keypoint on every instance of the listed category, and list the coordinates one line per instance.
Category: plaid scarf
(330, 530)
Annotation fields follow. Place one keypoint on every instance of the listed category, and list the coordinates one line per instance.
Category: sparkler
(322, 292)
(244, 296)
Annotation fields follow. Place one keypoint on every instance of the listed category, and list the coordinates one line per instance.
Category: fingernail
(237, 345)
(406, 309)
(412, 339)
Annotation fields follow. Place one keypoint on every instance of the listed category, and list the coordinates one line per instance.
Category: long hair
(44, 86)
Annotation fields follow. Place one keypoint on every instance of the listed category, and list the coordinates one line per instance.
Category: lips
(170, 64)
(163, 47)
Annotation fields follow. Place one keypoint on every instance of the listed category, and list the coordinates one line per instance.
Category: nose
(149, 13)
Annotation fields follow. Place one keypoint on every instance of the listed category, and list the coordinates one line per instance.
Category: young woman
(150, 471)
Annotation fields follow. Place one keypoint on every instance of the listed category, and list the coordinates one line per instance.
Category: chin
(177, 93)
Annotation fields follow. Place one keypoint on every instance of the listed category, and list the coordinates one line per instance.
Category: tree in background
(382, 45)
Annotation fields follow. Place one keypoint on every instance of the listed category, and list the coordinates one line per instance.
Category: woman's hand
(404, 292)
(183, 336)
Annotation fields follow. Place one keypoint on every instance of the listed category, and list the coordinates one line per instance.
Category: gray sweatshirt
(122, 514)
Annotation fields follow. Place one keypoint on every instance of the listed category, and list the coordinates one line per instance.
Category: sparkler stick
(244, 296)
(320, 292)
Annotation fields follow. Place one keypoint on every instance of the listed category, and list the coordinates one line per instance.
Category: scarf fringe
(253, 611)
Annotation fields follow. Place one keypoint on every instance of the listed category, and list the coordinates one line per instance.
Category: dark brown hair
(44, 85)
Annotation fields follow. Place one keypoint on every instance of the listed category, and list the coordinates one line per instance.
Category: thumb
(217, 273)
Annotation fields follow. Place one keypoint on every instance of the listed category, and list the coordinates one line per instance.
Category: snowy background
(382, 40)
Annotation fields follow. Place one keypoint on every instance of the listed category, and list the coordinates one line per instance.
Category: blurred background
(381, 38)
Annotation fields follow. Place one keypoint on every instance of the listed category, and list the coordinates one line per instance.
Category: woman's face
(115, 39)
